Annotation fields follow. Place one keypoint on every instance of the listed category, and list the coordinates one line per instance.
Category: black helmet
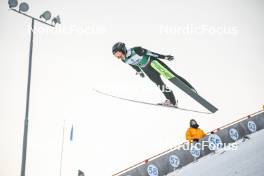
(119, 46)
(193, 123)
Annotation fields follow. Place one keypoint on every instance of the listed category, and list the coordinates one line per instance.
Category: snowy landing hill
(247, 160)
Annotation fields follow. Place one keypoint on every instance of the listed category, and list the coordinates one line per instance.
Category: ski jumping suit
(140, 59)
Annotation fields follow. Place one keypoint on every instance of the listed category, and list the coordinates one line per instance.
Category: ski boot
(169, 103)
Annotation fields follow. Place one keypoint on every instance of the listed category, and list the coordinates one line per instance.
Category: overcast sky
(218, 47)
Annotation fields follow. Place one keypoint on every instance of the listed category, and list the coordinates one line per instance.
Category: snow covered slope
(246, 160)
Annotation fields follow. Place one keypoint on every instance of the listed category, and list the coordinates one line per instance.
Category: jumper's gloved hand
(141, 74)
(169, 57)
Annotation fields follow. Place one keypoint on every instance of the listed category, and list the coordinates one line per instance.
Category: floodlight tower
(23, 8)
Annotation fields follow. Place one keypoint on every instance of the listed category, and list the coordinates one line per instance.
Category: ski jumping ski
(148, 103)
(185, 88)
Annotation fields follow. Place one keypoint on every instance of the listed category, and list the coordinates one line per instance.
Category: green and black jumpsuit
(140, 59)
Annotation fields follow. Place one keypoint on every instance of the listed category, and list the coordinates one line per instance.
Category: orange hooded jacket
(194, 133)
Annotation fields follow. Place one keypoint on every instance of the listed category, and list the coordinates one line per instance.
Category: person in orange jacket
(194, 133)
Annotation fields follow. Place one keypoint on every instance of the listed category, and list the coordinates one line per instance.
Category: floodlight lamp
(23, 7)
(46, 15)
(12, 3)
(56, 20)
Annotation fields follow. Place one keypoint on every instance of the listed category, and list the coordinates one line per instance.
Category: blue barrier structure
(181, 155)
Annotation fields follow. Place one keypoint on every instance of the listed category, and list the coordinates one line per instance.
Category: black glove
(141, 74)
(195, 140)
(169, 57)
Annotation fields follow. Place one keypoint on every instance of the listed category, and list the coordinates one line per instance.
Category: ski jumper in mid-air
(141, 60)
